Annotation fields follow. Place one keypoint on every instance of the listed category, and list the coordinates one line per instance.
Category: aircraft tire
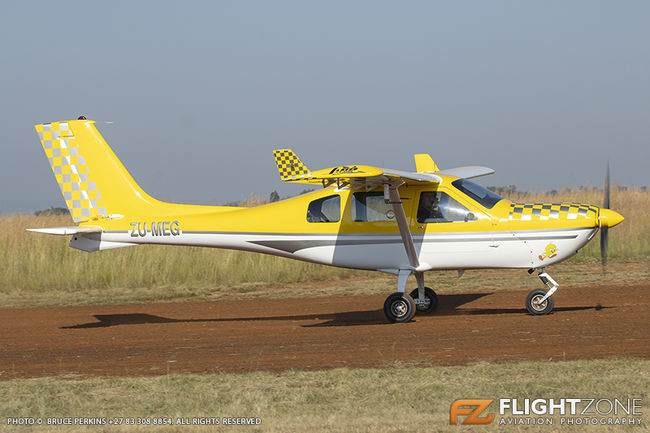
(429, 295)
(399, 308)
(533, 306)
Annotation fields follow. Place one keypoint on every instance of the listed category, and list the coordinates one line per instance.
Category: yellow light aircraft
(365, 217)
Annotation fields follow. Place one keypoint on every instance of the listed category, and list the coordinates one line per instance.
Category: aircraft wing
(418, 177)
(293, 170)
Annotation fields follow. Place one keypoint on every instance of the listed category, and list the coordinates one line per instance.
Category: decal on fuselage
(551, 251)
(157, 228)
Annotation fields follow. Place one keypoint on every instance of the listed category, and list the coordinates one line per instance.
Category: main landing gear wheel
(430, 301)
(399, 308)
(534, 307)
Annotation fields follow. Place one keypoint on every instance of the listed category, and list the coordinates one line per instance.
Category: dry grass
(398, 398)
(35, 262)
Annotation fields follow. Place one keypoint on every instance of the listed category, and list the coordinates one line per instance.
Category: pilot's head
(429, 199)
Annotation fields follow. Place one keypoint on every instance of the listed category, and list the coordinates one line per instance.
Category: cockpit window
(476, 192)
(370, 207)
(325, 210)
(439, 207)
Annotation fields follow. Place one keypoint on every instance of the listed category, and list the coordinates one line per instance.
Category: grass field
(400, 398)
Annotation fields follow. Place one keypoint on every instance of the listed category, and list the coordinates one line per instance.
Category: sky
(198, 94)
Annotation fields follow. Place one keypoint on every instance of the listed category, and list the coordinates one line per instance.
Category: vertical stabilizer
(94, 183)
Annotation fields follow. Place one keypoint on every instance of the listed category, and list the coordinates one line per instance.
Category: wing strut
(392, 194)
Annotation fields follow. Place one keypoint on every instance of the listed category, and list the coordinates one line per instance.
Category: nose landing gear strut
(538, 301)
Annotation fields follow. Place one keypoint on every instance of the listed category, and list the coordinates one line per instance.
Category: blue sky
(200, 93)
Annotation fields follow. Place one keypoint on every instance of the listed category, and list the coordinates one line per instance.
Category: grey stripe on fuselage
(293, 246)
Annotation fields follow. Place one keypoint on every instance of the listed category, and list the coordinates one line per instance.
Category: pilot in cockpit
(429, 208)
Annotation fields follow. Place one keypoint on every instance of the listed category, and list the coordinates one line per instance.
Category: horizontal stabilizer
(62, 231)
(467, 172)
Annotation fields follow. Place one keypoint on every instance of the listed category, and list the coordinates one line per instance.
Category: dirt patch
(319, 333)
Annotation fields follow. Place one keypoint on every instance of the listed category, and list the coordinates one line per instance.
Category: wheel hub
(399, 308)
(535, 303)
(423, 305)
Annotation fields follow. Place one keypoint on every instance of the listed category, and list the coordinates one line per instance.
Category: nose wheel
(536, 304)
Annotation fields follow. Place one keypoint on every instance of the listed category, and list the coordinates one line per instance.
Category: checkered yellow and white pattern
(71, 171)
(290, 166)
(546, 211)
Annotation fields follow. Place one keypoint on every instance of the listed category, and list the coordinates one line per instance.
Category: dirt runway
(319, 333)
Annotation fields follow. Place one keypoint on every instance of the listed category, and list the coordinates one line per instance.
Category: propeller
(604, 228)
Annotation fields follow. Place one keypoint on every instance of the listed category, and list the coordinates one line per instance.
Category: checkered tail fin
(290, 166)
(94, 183)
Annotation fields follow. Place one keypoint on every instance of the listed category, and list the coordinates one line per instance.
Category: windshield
(482, 195)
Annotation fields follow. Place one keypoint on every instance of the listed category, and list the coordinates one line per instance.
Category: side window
(325, 210)
(370, 206)
(439, 207)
